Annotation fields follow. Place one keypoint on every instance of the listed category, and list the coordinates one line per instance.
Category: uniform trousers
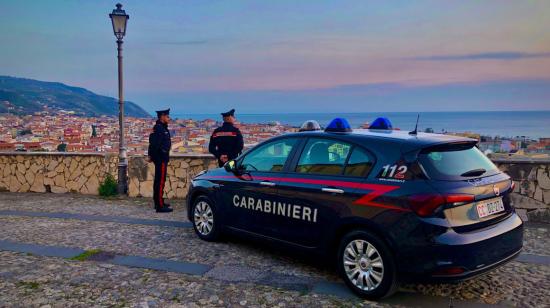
(158, 185)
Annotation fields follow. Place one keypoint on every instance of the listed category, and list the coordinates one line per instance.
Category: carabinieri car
(383, 203)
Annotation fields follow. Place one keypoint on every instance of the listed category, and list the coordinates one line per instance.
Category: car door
(248, 195)
(323, 181)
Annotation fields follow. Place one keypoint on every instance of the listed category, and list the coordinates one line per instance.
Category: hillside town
(66, 132)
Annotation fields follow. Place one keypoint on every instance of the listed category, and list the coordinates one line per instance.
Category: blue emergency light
(381, 123)
(338, 125)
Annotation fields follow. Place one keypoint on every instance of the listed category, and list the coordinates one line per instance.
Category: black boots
(164, 209)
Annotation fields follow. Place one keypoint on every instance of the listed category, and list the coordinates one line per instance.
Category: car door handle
(332, 190)
(267, 183)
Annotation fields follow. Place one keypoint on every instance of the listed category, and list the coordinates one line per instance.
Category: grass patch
(86, 255)
(33, 285)
(121, 303)
(176, 299)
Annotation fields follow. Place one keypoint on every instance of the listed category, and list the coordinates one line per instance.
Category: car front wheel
(205, 220)
(367, 265)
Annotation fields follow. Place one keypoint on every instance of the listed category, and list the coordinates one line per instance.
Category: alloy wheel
(363, 265)
(203, 217)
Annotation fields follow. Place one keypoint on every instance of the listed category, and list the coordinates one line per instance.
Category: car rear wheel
(367, 265)
(205, 220)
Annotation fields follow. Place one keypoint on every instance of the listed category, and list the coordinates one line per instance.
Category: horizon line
(360, 112)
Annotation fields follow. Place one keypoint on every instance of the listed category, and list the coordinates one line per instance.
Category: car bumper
(459, 256)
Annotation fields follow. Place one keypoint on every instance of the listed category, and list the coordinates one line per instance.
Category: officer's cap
(230, 113)
(163, 112)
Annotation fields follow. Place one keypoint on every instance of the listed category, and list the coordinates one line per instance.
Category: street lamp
(119, 18)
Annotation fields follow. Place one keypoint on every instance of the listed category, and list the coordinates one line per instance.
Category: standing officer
(159, 153)
(226, 143)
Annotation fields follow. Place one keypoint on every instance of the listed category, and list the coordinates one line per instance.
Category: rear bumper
(473, 273)
(458, 256)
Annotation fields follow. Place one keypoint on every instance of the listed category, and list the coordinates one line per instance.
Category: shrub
(108, 187)
(86, 255)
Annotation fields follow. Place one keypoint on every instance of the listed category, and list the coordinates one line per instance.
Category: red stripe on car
(367, 200)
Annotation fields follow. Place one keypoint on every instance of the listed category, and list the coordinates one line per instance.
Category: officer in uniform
(159, 153)
(226, 143)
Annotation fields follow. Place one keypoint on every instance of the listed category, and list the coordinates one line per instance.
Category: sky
(282, 56)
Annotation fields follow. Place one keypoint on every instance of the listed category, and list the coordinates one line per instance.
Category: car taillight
(512, 186)
(459, 198)
(426, 205)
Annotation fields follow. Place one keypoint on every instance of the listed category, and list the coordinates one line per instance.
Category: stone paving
(87, 204)
(31, 280)
(39, 281)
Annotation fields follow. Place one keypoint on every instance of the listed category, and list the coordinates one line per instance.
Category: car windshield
(456, 162)
(270, 157)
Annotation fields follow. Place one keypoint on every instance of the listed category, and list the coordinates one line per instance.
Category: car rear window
(359, 163)
(456, 162)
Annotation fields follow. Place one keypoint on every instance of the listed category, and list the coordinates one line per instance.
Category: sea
(532, 124)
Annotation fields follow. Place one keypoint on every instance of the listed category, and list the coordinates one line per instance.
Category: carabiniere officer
(226, 142)
(159, 153)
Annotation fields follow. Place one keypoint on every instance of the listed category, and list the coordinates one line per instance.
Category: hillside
(27, 96)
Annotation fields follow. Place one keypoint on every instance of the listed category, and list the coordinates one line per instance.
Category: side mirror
(230, 166)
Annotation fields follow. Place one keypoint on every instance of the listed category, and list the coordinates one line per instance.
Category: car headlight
(200, 173)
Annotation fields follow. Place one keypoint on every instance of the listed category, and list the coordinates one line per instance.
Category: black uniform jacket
(226, 140)
(160, 143)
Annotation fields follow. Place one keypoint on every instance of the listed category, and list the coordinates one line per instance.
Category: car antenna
(415, 131)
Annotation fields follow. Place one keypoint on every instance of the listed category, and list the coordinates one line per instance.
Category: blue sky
(291, 56)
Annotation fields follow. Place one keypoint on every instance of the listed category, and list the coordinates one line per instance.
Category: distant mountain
(25, 96)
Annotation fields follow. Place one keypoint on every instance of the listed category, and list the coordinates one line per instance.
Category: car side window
(270, 157)
(323, 156)
(359, 163)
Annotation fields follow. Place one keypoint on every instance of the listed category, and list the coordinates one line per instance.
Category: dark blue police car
(383, 203)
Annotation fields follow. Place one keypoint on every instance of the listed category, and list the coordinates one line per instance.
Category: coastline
(509, 124)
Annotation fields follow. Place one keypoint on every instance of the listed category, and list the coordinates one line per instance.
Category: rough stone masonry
(532, 192)
(83, 172)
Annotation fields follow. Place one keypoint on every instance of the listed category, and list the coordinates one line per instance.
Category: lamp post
(119, 18)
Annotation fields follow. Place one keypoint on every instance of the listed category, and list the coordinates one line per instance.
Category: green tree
(62, 147)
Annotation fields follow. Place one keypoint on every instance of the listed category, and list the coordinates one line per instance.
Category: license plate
(489, 207)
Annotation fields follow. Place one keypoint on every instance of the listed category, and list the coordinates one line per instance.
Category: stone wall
(532, 193)
(55, 172)
(180, 170)
(83, 172)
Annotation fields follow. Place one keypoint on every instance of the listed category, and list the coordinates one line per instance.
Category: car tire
(205, 219)
(367, 265)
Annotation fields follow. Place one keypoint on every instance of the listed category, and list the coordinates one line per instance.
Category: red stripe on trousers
(161, 186)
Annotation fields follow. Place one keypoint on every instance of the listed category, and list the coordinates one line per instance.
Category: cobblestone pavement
(37, 281)
(537, 240)
(85, 204)
(28, 280)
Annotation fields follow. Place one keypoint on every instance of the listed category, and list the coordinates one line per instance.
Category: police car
(384, 204)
